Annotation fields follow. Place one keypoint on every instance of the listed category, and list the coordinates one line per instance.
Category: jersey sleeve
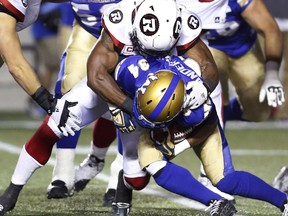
(195, 117)
(15, 8)
(191, 30)
(117, 22)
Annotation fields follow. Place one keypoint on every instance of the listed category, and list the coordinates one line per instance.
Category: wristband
(209, 85)
(127, 105)
(182, 146)
(45, 99)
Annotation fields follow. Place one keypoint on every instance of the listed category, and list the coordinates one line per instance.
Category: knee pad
(137, 183)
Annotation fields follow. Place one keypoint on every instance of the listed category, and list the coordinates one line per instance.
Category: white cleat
(281, 180)
(87, 170)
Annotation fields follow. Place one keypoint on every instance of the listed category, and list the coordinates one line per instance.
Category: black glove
(45, 99)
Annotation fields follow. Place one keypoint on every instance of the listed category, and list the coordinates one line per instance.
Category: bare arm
(101, 63)
(259, 18)
(201, 54)
(10, 50)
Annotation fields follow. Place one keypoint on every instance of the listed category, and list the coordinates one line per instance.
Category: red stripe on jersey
(185, 47)
(118, 45)
(18, 14)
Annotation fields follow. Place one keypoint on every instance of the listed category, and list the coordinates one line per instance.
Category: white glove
(64, 118)
(197, 95)
(272, 89)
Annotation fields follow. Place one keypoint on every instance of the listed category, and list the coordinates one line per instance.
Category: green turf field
(260, 151)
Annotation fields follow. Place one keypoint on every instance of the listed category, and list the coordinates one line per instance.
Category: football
(178, 133)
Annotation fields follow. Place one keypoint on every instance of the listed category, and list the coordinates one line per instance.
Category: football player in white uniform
(15, 16)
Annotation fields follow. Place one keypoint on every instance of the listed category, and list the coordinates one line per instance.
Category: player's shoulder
(191, 28)
(117, 20)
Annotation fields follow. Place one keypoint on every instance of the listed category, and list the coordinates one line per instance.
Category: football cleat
(221, 207)
(58, 190)
(9, 198)
(281, 180)
(109, 197)
(120, 209)
(285, 212)
(203, 179)
(87, 170)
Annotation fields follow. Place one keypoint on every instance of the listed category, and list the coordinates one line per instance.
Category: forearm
(11, 53)
(105, 86)
(202, 55)
(101, 64)
(260, 19)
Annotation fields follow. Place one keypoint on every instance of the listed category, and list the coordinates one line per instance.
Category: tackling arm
(101, 63)
(202, 55)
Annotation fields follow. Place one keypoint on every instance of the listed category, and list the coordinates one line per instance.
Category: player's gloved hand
(272, 89)
(122, 120)
(162, 142)
(64, 117)
(196, 95)
(45, 99)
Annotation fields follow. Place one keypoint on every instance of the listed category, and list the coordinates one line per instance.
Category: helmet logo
(193, 22)
(149, 24)
(177, 28)
(150, 78)
(25, 3)
(116, 16)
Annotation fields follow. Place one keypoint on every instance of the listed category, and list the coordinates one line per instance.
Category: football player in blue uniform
(156, 86)
(239, 58)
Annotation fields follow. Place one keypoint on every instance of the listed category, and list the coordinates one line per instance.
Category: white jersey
(117, 21)
(24, 11)
(211, 12)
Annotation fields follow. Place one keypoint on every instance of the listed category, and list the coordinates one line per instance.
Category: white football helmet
(157, 26)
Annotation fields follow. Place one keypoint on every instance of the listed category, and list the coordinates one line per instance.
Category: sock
(115, 168)
(41, 143)
(100, 153)
(64, 169)
(104, 133)
(123, 194)
(247, 185)
(25, 168)
(174, 178)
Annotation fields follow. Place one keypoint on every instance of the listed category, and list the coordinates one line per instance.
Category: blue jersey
(237, 37)
(132, 72)
(88, 13)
